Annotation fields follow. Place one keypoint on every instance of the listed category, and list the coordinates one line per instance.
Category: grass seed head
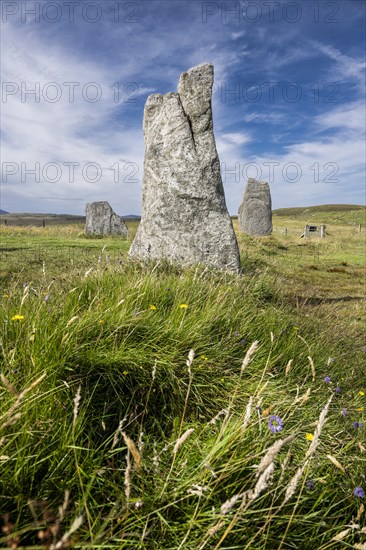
(182, 439)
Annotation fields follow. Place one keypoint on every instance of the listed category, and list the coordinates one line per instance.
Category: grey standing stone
(101, 220)
(184, 216)
(255, 212)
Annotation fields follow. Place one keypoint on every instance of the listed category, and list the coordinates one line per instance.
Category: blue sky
(288, 99)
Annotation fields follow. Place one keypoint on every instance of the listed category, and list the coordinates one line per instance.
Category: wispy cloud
(133, 60)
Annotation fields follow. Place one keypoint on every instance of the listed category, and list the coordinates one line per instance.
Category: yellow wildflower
(183, 306)
(361, 393)
(309, 437)
(204, 358)
(17, 318)
(360, 409)
(152, 307)
(125, 372)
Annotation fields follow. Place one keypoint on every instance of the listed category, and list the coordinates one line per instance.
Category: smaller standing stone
(102, 220)
(255, 212)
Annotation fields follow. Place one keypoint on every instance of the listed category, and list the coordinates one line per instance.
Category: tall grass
(140, 407)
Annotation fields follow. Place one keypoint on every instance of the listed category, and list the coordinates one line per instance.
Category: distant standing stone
(255, 212)
(101, 220)
(184, 215)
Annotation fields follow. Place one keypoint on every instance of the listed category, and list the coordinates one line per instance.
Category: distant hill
(3, 212)
(30, 219)
(326, 213)
(298, 210)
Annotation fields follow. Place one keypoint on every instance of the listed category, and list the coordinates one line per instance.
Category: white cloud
(236, 35)
(61, 132)
(271, 118)
(348, 117)
(346, 67)
(237, 138)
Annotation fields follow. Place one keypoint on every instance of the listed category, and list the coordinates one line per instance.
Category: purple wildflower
(359, 492)
(357, 424)
(327, 379)
(337, 389)
(47, 297)
(283, 331)
(310, 484)
(275, 423)
(344, 412)
(363, 349)
(242, 341)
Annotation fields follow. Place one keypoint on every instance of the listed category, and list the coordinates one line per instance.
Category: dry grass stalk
(360, 512)
(156, 458)
(318, 429)
(312, 366)
(305, 397)
(228, 504)
(288, 367)
(249, 355)
(342, 534)
(9, 386)
(74, 527)
(140, 443)
(248, 412)
(132, 448)
(336, 463)
(291, 487)
(213, 530)
(262, 482)
(62, 509)
(182, 440)
(77, 399)
(118, 432)
(154, 371)
(25, 295)
(72, 320)
(190, 358)
(220, 413)
(272, 453)
(128, 477)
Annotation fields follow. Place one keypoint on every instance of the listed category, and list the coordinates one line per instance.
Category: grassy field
(152, 407)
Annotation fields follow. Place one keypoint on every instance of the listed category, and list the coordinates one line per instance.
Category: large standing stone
(255, 212)
(184, 215)
(101, 220)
